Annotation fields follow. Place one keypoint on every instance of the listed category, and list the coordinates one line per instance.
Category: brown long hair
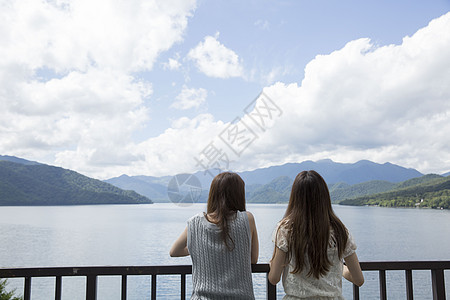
(226, 197)
(309, 219)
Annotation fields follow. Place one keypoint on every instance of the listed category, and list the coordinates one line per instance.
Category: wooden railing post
(409, 285)
(383, 294)
(27, 289)
(153, 286)
(183, 287)
(355, 292)
(438, 284)
(124, 287)
(91, 289)
(58, 287)
(271, 289)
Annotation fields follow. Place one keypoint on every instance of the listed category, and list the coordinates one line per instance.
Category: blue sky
(145, 87)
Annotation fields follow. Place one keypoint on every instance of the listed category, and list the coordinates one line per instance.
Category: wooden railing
(437, 276)
(91, 273)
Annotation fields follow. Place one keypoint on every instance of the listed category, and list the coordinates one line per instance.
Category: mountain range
(375, 192)
(274, 182)
(24, 182)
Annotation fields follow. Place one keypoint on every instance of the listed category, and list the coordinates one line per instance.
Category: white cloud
(77, 34)
(96, 111)
(190, 98)
(68, 88)
(172, 64)
(215, 60)
(386, 103)
(175, 150)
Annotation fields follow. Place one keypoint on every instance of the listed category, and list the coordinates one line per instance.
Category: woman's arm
(277, 265)
(179, 248)
(352, 270)
(255, 242)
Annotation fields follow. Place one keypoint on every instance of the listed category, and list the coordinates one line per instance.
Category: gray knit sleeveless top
(217, 272)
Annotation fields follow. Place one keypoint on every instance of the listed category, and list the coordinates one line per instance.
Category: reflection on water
(143, 234)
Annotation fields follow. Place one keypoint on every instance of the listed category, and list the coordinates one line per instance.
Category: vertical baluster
(383, 294)
(91, 289)
(153, 286)
(409, 285)
(183, 287)
(438, 284)
(355, 292)
(271, 289)
(27, 289)
(124, 287)
(58, 287)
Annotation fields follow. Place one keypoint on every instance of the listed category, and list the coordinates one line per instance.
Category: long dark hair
(309, 219)
(226, 197)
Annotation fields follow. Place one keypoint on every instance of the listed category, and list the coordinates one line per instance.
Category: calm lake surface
(117, 235)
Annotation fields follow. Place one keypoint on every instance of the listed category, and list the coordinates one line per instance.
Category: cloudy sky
(159, 87)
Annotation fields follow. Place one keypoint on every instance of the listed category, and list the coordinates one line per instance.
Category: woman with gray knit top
(223, 243)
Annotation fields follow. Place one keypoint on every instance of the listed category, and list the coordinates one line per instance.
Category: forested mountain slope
(427, 191)
(39, 184)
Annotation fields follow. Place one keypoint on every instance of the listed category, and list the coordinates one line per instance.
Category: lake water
(117, 235)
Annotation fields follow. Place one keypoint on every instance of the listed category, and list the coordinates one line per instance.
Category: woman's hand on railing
(352, 270)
